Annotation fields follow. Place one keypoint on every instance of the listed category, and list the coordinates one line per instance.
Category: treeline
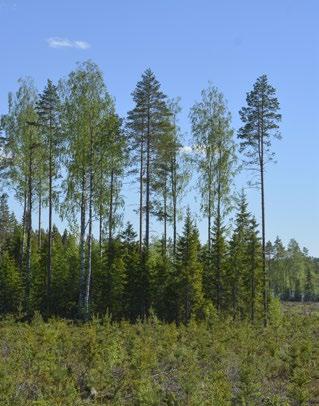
(67, 150)
(293, 273)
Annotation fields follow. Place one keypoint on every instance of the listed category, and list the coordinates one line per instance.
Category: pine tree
(260, 123)
(147, 123)
(48, 108)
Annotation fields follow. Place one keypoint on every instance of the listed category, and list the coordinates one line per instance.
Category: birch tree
(215, 161)
(24, 148)
(86, 104)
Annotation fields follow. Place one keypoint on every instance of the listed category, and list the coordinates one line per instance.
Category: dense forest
(65, 152)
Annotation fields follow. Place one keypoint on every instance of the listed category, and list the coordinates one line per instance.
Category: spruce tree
(189, 272)
(238, 258)
(136, 281)
(253, 275)
(244, 264)
(309, 290)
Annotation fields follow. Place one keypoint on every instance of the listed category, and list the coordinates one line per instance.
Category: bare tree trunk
(265, 297)
(174, 201)
(148, 174)
(49, 261)
(89, 272)
(141, 196)
(29, 231)
(253, 291)
(100, 230)
(218, 262)
(101, 208)
(24, 223)
(165, 220)
(263, 225)
(111, 208)
(218, 236)
(82, 247)
(209, 225)
(39, 216)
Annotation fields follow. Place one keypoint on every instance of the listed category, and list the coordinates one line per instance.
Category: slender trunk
(101, 207)
(141, 195)
(218, 237)
(261, 162)
(24, 223)
(173, 188)
(148, 174)
(209, 226)
(100, 230)
(165, 221)
(174, 194)
(111, 207)
(147, 217)
(29, 231)
(82, 247)
(39, 216)
(49, 261)
(111, 220)
(89, 271)
(253, 289)
(218, 260)
(265, 298)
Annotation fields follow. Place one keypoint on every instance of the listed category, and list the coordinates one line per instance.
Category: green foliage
(275, 312)
(10, 285)
(152, 363)
(189, 273)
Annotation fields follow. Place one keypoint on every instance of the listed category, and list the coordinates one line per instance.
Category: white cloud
(186, 149)
(58, 42)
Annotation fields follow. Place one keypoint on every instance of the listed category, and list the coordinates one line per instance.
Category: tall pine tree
(260, 124)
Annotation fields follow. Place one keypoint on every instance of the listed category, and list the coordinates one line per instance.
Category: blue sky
(188, 43)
